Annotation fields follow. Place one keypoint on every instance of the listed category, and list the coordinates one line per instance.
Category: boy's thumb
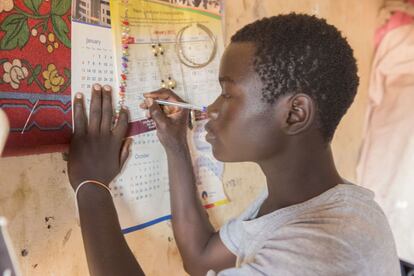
(156, 113)
(125, 151)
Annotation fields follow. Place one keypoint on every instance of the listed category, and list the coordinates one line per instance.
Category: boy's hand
(171, 121)
(97, 150)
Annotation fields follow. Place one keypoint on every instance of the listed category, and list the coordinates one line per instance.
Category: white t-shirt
(340, 232)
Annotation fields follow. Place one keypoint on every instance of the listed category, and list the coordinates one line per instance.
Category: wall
(39, 203)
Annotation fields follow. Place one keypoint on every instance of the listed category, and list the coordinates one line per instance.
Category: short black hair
(298, 53)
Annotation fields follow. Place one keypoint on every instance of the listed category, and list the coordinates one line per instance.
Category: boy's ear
(300, 114)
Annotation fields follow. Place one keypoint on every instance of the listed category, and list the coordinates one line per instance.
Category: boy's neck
(298, 176)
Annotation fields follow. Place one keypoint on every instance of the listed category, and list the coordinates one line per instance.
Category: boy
(286, 83)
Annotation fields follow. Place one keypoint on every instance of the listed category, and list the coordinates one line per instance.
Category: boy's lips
(210, 135)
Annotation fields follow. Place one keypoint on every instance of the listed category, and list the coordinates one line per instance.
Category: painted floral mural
(44, 22)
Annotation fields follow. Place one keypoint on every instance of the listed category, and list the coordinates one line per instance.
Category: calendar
(92, 58)
(141, 191)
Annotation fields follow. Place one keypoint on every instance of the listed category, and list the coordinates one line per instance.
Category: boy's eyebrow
(226, 79)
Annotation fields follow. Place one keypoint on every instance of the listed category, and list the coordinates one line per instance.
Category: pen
(183, 105)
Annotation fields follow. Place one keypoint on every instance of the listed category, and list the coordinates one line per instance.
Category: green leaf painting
(61, 30)
(35, 74)
(60, 7)
(33, 5)
(16, 25)
(17, 32)
(67, 72)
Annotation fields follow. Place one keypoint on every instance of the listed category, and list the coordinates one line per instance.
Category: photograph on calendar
(95, 12)
(208, 5)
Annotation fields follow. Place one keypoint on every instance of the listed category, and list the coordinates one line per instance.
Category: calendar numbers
(92, 59)
(147, 181)
(146, 174)
(96, 67)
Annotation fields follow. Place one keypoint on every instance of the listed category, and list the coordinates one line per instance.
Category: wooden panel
(39, 203)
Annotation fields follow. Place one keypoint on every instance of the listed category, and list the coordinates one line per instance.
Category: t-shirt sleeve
(272, 261)
(266, 263)
(230, 235)
(300, 250)
(345, 235)
(311, 251)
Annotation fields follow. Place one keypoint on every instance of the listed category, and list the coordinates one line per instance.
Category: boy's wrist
(77, 179)
(92, 193)
(177, 149)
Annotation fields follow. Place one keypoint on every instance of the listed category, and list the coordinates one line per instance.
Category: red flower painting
(35, 74)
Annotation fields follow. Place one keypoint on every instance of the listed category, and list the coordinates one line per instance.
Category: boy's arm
(200, 246)
(98, 152)
(106, 250)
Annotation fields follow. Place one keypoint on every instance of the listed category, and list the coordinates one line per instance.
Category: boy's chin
(218, 155)
(223, 157)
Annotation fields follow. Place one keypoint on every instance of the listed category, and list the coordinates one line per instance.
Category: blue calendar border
(146, 224)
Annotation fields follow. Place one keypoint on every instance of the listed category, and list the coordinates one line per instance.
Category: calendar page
(92, 58)
(141, 191)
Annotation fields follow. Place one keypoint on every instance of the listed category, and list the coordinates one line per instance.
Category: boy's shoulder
(342, 200)
(347, 212)
(344, 226)
(339, 211)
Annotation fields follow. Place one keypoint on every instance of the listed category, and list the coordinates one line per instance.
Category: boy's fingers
(95, 112)
(122, 124)
(182, 115)
(79, 117)
(163, 94)
(158, 94)
(156, 113)
(170, 109)
(125, 151)
(143, 105)
(107, 110)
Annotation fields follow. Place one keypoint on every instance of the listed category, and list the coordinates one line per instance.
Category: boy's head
(295, 73)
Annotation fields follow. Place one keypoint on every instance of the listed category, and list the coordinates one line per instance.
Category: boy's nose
(212, 111)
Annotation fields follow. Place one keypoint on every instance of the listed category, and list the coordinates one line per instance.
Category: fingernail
(148, 101)
(96, 86)
(147, 114)
(107, 88)
(78, 95)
